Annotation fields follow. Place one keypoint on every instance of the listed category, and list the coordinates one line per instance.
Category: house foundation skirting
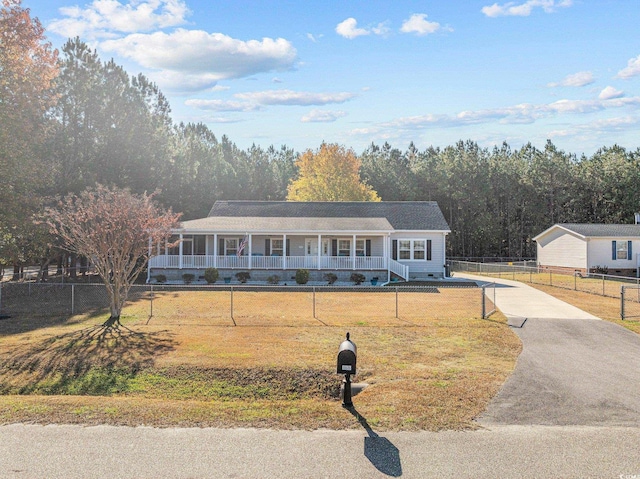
(285, 276)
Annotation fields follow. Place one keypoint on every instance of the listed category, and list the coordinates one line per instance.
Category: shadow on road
(379, 450)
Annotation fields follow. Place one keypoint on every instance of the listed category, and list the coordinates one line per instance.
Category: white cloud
(322, 116)
(314, 38)
(107, 18)
(575, 80)
(517, 114)
(200, 59)
(631, 70)
(598, 127)
(221, 105)
(419, 24)
(524, 9)
(609, 92)
(349, 29)
(289, 97)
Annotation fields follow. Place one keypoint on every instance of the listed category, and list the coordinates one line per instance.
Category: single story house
(403, 239)
(585, 247)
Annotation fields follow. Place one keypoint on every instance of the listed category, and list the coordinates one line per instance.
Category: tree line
(70, 120)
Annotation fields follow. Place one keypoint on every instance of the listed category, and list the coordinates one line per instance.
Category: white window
(361, 249)
(621, 250)
(404, 249)
(230, 247)
(418, 250)
(276, 247)
(344, 247)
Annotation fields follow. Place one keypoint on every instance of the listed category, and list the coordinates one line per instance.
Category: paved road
(503, 452)
(569, 410)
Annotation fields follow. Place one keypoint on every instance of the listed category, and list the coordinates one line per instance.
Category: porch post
(180, 253)
(284, 251)
(320, 251)
(249, 253)
(215, 250)
(353, 252)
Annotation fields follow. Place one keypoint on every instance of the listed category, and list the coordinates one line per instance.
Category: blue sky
(356, 72)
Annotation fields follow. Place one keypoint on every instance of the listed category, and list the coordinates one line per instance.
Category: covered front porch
(332, 252)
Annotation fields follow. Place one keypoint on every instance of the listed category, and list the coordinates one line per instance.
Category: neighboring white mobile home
(585, 247)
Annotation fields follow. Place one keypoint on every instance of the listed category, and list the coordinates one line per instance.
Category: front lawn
(424, 371)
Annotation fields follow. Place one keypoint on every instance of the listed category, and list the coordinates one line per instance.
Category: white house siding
(562, 249)
(600, 254)
(422, 268)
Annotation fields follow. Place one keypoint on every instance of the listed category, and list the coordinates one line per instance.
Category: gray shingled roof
(250, 224)
(603, 230)
(402, 215)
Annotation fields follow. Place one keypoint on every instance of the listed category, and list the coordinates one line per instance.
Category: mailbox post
(347, 354)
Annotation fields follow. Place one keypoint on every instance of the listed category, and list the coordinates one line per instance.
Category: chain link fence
(249, 305)
(611, 286)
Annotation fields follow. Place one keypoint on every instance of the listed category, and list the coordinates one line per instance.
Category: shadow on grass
(89, 361)
(379, 450)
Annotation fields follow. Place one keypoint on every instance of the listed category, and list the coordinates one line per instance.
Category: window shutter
(629, 252)
(367, 247)
(428, 250)
(394, 249)
(267, 247)
(613, 250)
(220, 246)
(288, 252)
(334, 247)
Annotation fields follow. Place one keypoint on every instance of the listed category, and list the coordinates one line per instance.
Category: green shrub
(275, 279)
(243, 276)
(330, 277)
(302, 276)
(160, 278)
(357, 278)
(211, 275)
(188, 277)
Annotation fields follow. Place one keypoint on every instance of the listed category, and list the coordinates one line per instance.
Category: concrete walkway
(571, 409)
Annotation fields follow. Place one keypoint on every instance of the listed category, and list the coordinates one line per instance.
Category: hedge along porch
(406, 239)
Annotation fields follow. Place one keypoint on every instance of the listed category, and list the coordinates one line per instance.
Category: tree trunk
(16, 272)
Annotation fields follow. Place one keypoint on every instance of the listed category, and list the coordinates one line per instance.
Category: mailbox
(347, 357)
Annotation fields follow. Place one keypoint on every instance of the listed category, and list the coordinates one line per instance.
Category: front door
(311, 247)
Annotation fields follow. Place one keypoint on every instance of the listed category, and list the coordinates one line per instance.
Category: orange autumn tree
(112, 228)
(330, 174)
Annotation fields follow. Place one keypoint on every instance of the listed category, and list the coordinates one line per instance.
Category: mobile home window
(360, 248)
(419, 249)
(621, 250)
(414, 250)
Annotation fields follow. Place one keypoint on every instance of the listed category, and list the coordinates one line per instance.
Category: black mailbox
(347, 357)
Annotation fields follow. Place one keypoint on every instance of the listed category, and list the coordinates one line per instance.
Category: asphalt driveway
(574, 369)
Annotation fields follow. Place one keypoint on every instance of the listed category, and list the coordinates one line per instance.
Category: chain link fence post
(622, 302)
(314, 303)
(397, 302)
(484, 303)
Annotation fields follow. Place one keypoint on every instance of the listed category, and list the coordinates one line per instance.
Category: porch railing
(274, 262)
(399, 269)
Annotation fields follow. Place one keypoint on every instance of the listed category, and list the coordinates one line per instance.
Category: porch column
(180, 253)
(353, 252)
(215, 250)
(249, 252)
(319, 251)
(284, 251)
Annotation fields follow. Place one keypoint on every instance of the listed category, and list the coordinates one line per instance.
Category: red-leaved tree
(112, 228)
